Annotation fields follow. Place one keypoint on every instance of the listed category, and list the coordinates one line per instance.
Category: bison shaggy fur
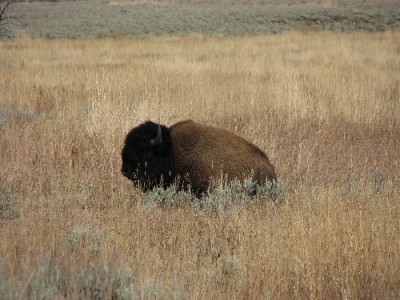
(192, 155)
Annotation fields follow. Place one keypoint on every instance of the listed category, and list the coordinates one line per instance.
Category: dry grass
(325, 106)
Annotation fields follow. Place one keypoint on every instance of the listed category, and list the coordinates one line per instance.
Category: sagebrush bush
(8, 206)
(231, 270)
(221, 197)
(169, 197)
(9, 115)
(86, 238)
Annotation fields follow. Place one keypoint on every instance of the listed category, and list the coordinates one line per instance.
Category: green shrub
(169, 197)
(276, 190)
(231, 269)
(101, 283)
(221, 197)
(8, 206)
(85, 237)
(237, 192)
(10, 115)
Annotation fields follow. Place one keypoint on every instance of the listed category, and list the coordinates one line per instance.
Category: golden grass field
(324, 106)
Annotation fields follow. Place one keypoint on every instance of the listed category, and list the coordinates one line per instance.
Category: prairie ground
(324, 106)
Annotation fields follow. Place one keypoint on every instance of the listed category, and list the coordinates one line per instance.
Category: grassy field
(147, 18)
(324, 106)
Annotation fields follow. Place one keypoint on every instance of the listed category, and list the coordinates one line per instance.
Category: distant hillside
(99, 18)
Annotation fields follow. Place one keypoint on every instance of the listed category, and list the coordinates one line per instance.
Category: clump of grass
(225, 195)
(101, 282)
(8, 206)
(122, 284)
(10, 115)
(378, 179)
(231, 270)
(86, 237)
(168, 197)
(275, 190)
(352, 185)
(95, 281)
(222, 196)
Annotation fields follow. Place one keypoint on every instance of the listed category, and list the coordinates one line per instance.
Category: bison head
(147, 157)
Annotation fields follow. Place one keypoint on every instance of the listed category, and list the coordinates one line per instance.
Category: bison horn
(158, 140)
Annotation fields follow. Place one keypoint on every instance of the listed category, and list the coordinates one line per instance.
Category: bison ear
(158, 139)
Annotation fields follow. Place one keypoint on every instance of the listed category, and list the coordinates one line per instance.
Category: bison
(192, 155)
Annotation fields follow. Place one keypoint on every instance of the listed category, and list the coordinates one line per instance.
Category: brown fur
(206, 153)
(197, 155)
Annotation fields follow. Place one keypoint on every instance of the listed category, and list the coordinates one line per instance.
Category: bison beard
(191, 155)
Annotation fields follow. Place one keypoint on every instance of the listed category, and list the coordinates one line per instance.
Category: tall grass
(324, 106)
